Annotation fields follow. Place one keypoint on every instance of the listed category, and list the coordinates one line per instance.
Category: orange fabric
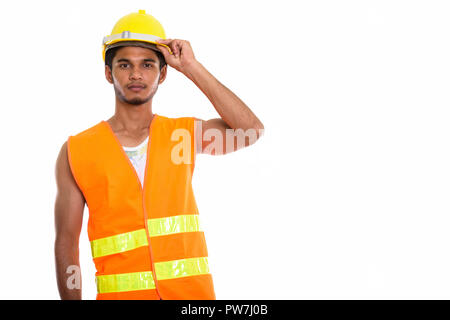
(197, 288)
(125, 262)
(118, 204)
(130, 295)
(180, 246)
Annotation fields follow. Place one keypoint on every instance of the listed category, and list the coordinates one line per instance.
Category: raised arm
(69, 207)
(237, 123)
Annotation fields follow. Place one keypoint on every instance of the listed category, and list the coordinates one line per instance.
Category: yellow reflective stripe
(118, 243)
(171, 225)
(144, 280)
(181, 268)
(135, 239)
(125, 282)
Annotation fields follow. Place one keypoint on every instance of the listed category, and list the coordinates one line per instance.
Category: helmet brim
(142, 44)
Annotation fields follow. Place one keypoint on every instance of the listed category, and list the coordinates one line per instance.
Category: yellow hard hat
(140, 27)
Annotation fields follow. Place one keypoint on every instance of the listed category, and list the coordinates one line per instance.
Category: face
(135, 74)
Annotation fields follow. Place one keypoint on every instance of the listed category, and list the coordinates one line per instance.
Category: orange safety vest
(146, 241)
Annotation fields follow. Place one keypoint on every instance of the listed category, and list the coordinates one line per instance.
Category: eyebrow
(126, 60)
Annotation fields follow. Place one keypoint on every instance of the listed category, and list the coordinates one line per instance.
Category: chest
(128, 140)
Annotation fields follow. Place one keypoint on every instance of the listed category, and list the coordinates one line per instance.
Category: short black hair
(111, 53)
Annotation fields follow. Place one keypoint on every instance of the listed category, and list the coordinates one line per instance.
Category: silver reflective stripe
(130, 35)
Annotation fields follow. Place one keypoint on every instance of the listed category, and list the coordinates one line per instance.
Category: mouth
(136, 88)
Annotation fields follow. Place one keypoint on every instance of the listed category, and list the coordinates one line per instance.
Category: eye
(148, 65)
(123, 64)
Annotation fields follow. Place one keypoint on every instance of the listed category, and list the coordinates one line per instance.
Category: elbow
(259, 128)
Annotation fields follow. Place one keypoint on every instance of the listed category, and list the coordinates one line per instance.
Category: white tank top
(138, 157)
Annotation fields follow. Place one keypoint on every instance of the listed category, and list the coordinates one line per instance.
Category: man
(143, 221)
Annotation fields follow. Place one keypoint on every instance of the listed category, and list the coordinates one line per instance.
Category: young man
(134, 172)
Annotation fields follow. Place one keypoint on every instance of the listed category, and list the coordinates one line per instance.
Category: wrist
(192, 69)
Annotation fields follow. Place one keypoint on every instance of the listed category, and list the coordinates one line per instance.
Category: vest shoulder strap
(179, 133)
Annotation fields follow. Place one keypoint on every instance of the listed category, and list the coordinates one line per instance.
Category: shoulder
(185, 122)
(89, 131)
(88, 141)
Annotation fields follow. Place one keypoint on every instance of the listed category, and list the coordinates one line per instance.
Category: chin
(137, 101)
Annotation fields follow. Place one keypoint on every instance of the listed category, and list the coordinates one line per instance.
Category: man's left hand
(182, 56)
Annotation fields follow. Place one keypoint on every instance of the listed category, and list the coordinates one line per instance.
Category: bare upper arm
(216, 137)
(69, 204)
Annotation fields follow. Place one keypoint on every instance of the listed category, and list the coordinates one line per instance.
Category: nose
(135, 74)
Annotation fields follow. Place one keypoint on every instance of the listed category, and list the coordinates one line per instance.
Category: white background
(346, 196)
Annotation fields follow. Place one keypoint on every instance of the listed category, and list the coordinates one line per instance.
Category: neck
(131, 118)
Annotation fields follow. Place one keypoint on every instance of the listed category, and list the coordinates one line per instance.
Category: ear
(108, 74)
(162, 74)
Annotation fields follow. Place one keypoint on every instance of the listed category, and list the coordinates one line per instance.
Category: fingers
(164, 47)
(164, 51)
(167, 42)
(174, 44)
